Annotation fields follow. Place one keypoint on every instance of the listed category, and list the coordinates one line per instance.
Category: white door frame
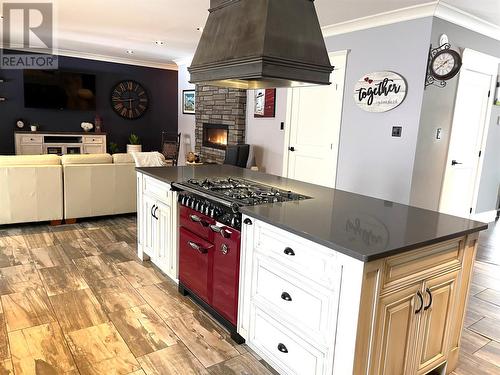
(481, 63)
(288, 119)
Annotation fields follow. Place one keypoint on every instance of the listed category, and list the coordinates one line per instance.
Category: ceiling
(107, 29)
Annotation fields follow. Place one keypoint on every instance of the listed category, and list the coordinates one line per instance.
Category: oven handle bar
(197, 247)
(203, 194)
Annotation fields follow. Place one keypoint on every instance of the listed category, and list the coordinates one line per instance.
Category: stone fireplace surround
(217, 105)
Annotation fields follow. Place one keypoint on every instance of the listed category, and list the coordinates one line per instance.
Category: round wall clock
(20, 124)
(129, 99)
(446, 64)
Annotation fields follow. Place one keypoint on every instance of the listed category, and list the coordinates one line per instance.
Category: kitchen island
(338, 283)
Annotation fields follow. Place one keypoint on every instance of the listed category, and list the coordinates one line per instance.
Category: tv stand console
(59, 143)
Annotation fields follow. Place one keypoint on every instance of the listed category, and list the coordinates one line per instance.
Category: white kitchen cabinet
(157, 224)
(307, 309)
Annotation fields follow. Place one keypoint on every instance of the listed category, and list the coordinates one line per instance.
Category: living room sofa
(31, 188)
(52, 188)
(98, 185)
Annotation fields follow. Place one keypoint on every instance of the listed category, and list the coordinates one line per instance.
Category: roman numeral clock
(129, 99)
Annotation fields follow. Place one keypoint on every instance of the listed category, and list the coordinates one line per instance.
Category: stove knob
(206, 209)
(235, 222)
(184, 200)
(212, 212)
(190, 202)
(180, 198)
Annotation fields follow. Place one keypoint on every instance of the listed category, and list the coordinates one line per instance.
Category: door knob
(454, 162)
(292, 149)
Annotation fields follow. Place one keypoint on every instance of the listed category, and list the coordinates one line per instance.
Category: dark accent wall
(161, 85)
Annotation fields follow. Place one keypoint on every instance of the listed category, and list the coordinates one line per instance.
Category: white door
(314, 118)
(468, 134)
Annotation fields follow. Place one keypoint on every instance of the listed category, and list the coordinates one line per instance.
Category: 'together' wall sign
(380, 91)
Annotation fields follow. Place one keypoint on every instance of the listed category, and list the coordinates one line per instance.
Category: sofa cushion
(11, 160)
(87, 159)
(123, 159)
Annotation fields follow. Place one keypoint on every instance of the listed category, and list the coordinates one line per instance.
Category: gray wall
(187, 123)
(437, 111)
(371, 161)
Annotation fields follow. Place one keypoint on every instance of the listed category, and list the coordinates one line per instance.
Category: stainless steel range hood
(252, 44)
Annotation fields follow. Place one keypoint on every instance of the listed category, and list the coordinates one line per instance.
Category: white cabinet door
(163, 258)
(149, 226)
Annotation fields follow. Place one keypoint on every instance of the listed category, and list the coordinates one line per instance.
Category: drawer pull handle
(289, 251)
(197, 219)
(247, 221)
(430, 299)
(223, 232)
(197, 247)
(421, 302)
(282, 348)
(285, 296)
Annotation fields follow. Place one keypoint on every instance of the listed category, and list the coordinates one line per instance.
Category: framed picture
(265, 103)
(188, 102)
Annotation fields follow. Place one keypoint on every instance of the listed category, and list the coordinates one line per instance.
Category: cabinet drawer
(197, 223)
(305, 257)
(31, 139)
(307, 307)
(92, 140)
(283, 347)
(420, 263)
(157, 189)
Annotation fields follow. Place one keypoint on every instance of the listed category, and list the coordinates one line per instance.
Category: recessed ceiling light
(159, 42)
(130, 52)
(200, 29)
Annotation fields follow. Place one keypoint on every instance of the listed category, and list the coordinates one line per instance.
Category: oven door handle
(197, 219)
(197, 247)
(223, 232)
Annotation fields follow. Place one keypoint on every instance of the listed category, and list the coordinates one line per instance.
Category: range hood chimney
(250, 44)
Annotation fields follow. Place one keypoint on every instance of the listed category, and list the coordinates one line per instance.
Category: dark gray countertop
(362, 227)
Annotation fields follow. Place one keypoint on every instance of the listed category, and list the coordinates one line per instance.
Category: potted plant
(134, 144)
(34, 127)
(113, 148)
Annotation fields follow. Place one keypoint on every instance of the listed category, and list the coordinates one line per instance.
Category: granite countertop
(362, 227)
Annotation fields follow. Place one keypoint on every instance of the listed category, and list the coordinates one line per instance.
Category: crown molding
(459, 17)
(104, 58)
(382, 19)
(184, 61)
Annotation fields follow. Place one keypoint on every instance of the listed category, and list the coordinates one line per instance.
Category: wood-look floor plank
(175, 359)
(244, 364)
(118, 252)
(28, 308)
(472, 317)
(143, 330)
(473, 365)
(6, 367)
(203, 339)
(4, 340)
(77, 309)
(490, 353)
(165, 305)
(14, 256)
(101, 236)
(487, 327)
(40, 350)
(138, 275)
(116, 293)
(13, 241)
(67, 233)
(483, 308)
(126, 234)
(50, 257)
(58, 280)
(101, 350)
(490, 295)
(9, 276)
(472, 341)
(95, 268)
(476, 289)
(38, 239)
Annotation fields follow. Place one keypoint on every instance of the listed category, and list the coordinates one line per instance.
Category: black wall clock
(129, 99)
(446, 64)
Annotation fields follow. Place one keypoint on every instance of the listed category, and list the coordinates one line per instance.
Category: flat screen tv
(56, 89)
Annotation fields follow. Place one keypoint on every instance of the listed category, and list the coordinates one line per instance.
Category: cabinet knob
(289, 251)
(285, 296)
(282, 348)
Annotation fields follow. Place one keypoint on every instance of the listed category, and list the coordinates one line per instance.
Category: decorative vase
(134, 148)
(34, 128)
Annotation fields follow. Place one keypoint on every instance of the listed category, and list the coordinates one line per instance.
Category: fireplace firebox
(215, 136)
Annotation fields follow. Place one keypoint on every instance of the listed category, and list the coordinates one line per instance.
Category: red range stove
(209, 241)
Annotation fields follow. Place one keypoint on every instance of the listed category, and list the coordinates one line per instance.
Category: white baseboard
(485, 217)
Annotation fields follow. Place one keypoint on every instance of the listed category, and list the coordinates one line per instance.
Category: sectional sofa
(52, 188)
